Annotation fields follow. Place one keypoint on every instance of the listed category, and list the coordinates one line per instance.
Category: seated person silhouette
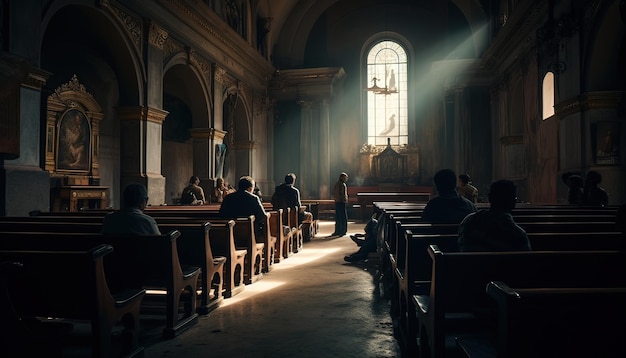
(131, 219)
(366, 242)
(494, 229)
(448, 207)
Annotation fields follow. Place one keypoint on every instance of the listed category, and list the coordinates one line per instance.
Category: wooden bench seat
(72, 284)
(223, 244)
(266, 242)
(551, 322)
(194, 248)
(457, 303)
(148, 261)
(414, 267)
(245, 239)
(282, 247)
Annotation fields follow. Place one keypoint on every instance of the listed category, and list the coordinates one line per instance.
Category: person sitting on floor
(366, 242)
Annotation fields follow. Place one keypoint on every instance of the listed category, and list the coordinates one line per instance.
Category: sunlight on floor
(267, 283)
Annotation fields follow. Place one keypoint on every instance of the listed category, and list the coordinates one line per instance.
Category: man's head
(445, 181)
(503, 195)
(593, 178)
(194, 179)
(290, 178)
(464, 178)
(135, 196)
(343, 177)
(246, 183)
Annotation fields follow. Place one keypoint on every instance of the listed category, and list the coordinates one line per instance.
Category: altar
(77, 197)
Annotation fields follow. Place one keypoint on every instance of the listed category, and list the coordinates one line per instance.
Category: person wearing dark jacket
(494, 229)
(244, 203)
(448, 207)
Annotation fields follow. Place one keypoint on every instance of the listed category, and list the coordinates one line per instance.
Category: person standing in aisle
(340, 195)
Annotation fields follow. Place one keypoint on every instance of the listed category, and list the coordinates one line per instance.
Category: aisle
(312, 304)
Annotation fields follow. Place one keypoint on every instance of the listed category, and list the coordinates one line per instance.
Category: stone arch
(102, 46)
(602, 58)
(185, 138)
(108, 33)
(239, 138)
(290, 46)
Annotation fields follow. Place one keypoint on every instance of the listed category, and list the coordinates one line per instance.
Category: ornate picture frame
(606, 142)
(73, 142)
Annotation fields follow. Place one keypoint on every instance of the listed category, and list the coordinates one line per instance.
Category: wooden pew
(149, 261)
(294, 224)
(395, 228)
(245, 239)
(553, 322)
(72, 284)
(210, 213)
(223, 244)
(414, 267)
(194, 247)
(283, 243)
(206, 212)
(291, 233)
(457, 288)
(313, 206)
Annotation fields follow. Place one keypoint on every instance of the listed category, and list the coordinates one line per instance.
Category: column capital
(200, 133)
(157, 36)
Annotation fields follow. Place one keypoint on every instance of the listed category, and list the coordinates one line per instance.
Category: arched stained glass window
(387, 94)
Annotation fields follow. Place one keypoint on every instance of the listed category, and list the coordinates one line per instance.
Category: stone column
(23, 174)
(140, 149)
(141, 127)
(308, 148)
(461, 131)
(324, 152)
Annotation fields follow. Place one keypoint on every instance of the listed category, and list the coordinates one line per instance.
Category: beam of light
(448, 71)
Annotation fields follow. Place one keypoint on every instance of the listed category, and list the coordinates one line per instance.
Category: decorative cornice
(156, 115)
(200, 133)
(171, 46)
(221, 76)
(306, 103)
(591, 100)
(193, 16)
(133, 24)
(147, 114)
(36, 79)
(218, 135)
(201, 63)
(157, 36)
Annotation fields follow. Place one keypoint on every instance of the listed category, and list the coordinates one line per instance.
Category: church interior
(96, 95)
(520, 90)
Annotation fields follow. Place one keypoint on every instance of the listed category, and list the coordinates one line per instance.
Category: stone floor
(312, 304)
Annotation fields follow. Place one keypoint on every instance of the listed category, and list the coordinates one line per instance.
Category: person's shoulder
(468, 218)
(468, 203)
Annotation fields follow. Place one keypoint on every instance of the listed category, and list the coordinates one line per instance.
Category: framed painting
(74, 142)
(605, 140)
